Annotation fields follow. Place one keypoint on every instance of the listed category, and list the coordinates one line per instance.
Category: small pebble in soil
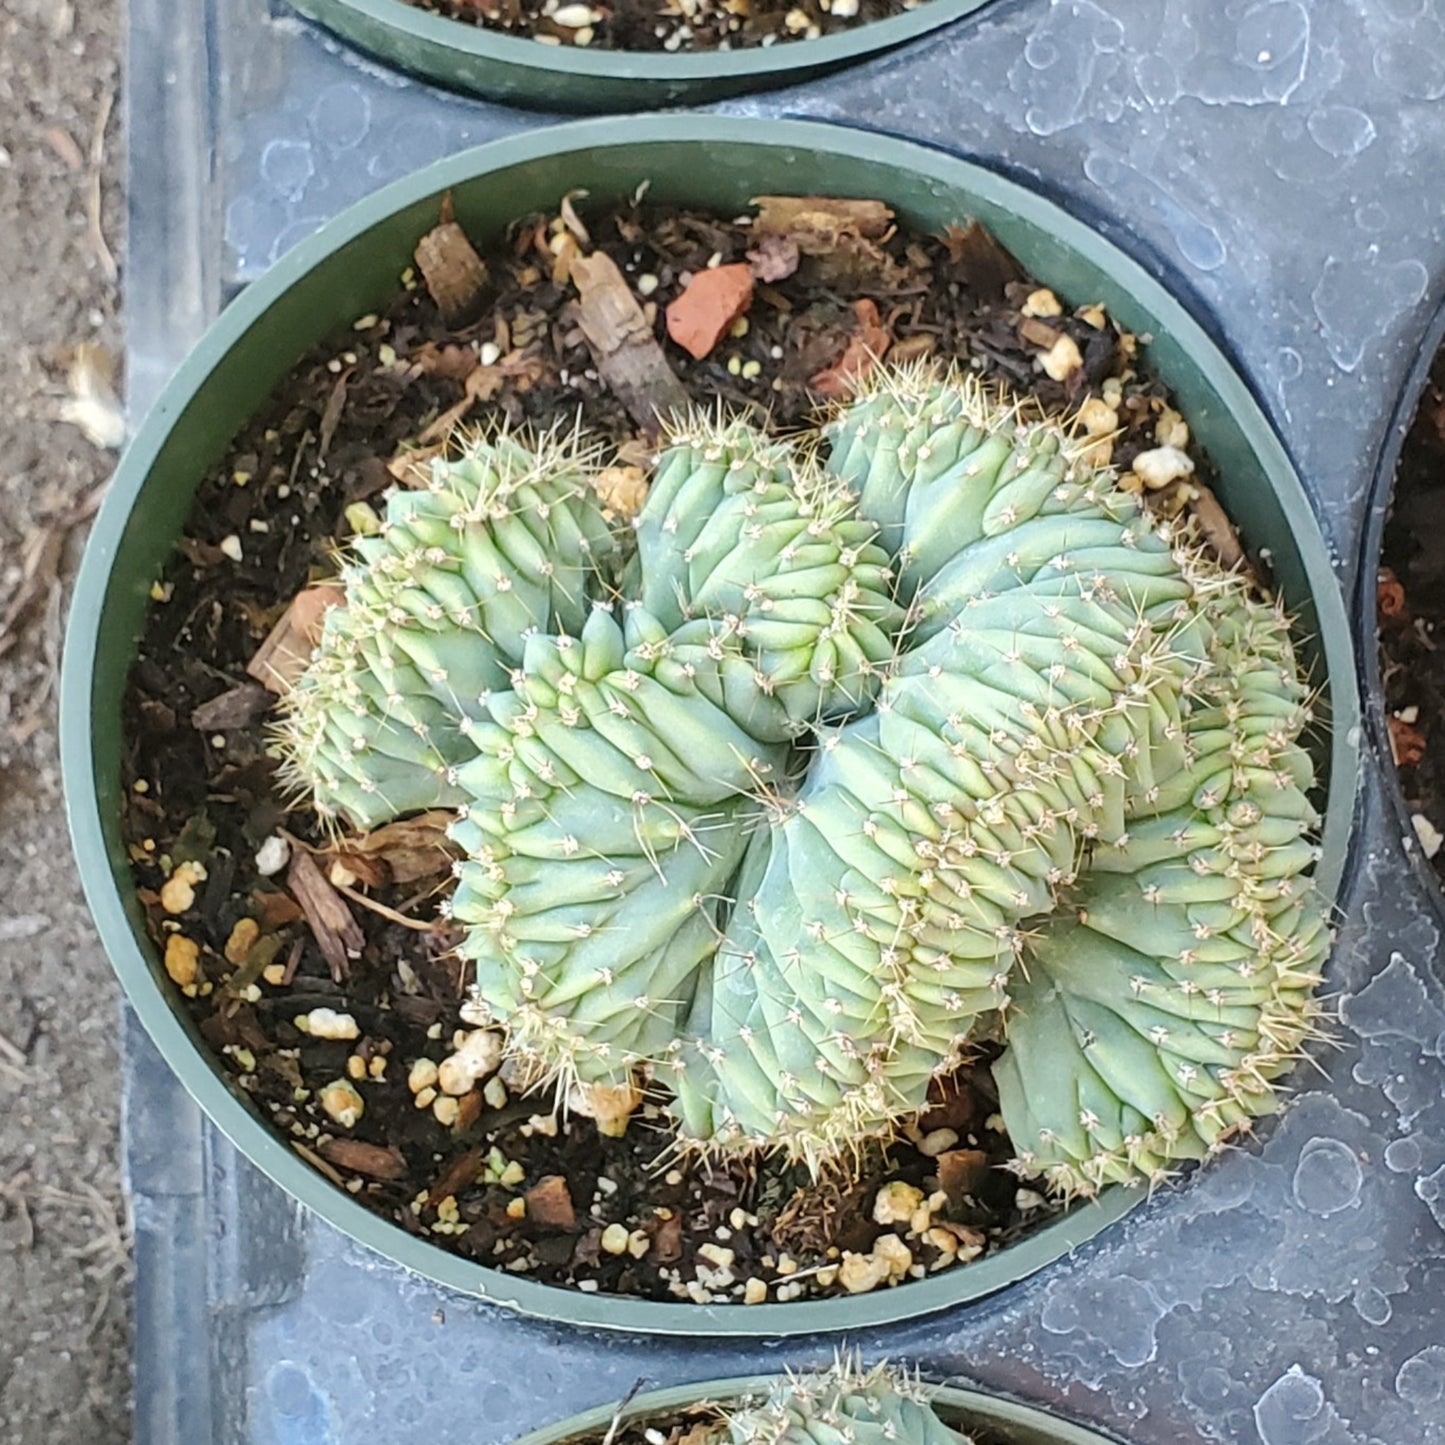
(342, 1103)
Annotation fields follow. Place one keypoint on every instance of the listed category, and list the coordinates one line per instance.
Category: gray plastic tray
(1276, 160)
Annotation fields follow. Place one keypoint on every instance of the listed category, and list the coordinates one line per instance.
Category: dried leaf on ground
(1215, 528)
(39, 574)
(93, 405)
(331, 417)
(774, 258)
(1407, 742)
(455, 362)
(412, 467)
(1390, 600)
(410, 849)
(237, 707)
(622, 490)
(985, 266)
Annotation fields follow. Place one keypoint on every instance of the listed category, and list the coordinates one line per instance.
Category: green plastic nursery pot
(349, 267)
(1006, 1420)
(509, 68)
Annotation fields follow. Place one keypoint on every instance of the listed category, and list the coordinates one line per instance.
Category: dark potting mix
(1410, 606)
(321, 963)
(674, 26)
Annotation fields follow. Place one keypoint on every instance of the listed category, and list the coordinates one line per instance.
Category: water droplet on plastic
(1285, 1413)
(1403, 1155)
(1373, 1306)
(1421, 1379)
(1327, 1178)
(1342, 130)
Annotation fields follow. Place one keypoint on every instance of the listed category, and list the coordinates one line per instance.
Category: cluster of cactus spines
(886, 914)
(751, 536)
(926, 735)
(439, 601)
(1177, 985)
(842, 1406)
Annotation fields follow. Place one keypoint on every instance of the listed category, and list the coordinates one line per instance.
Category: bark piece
(700, 317)
(987, 268)
(549, 1203)
(1038, 333)
(357, 1157)
(454, 274)
(962, 1172)
(462, 1171)
(283, 656)
(337, 933)
(237, 707)
(816, 223)
(617, 333)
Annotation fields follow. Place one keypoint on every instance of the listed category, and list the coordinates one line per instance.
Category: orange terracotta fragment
(865, 349)
(283, 656)
(699, 318)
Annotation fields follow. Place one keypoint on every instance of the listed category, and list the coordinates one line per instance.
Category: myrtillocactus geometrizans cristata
(852, 749)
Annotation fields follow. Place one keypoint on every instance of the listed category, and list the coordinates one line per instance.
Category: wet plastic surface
(1271, 158)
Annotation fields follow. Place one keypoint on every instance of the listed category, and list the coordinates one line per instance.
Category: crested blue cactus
(841, 1406)
(752, 536)
(918, 733)
(607, 811)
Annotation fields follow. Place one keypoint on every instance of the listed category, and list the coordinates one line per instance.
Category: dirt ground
(64, 1259)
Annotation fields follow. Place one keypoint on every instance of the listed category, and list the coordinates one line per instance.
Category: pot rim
(761, 65)
(980, 1406)
(135, 967)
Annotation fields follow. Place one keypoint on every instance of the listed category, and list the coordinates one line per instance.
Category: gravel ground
(64, 1256)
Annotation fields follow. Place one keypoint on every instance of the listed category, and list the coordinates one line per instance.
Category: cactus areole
(1096, 1101)
(855, 749)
